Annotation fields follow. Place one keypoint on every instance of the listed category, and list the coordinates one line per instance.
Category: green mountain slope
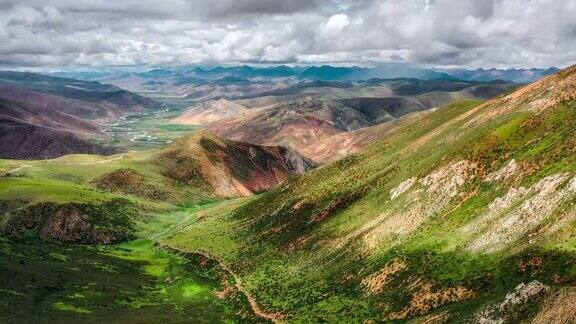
(442, 219)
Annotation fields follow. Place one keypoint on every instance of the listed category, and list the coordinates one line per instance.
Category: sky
(439, 33)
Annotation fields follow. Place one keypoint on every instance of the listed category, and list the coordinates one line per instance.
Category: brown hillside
(228, 168)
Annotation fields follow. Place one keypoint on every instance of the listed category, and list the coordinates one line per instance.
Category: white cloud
(335, 24)
(432, 32)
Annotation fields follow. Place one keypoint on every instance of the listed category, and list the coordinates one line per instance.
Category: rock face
(228, 168)
(211, 111)
(88, 223)
(413, 202)
(520, 211)
(503, 174)
(512, 303)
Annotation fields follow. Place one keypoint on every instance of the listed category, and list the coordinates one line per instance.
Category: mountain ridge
(229, 168)
(445, 218)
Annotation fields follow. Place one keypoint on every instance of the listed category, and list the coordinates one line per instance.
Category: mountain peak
(229, 168)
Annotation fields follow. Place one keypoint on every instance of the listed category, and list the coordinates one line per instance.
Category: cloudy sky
(467, 33)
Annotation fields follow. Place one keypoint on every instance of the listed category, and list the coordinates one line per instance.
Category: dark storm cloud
(235, 7)
(434, 32)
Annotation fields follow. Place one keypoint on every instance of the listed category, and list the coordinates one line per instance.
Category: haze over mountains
(306, 115)
(236, 82)
(434, 196)
(323, 72)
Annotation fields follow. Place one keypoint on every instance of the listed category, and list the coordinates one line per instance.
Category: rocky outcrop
(413, 202)
(512, 304)
(520, 211)
(402, 188)
(503, 174)
(88, 223)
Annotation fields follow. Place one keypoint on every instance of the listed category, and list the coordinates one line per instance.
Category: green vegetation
(70, 308)
(178, 127)
(443, 217)
(14, 188)
(78, 282)
(80, 286)
(144, 132)
(73, 178)
(305, 249)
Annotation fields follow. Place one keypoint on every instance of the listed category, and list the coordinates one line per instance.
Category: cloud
(471, 33)
(335, 24)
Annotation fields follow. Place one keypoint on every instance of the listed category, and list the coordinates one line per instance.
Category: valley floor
(137, 281)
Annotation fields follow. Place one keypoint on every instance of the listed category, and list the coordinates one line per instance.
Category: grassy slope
(52, 283)
(69, 178)
(304, 249)
(43, 282)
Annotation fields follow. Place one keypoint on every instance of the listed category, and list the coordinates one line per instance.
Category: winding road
(256, 308)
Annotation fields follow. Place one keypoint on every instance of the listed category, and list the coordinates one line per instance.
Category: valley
(389, 200)
(73, 283)
(291, 162)
(441, 220)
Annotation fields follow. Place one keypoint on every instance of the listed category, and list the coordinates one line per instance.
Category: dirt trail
(256, 308)
(182, 222)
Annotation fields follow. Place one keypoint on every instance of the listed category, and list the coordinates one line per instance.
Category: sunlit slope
(78, 178)
(86, 198)
(442, 218)
(229, 168)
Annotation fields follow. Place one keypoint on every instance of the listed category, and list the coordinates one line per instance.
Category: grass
(303, 249)
(165, 223)
(69, 179)
(78, 286)
(36, 189)
(178, 127)
(158, 127)
(61, 306)
(213, 232)
(308, 269)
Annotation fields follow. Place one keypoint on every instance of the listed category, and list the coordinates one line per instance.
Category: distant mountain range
(308, 116)
(512, 75)
(324, 72)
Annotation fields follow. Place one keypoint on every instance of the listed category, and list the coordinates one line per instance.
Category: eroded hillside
(466, 214)
(228, 168)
